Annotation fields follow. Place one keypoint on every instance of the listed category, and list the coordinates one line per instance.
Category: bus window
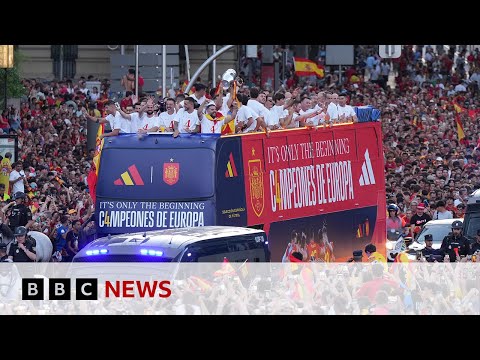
(207, 251)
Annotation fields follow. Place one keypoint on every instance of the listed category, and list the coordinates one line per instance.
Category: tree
(15, 88)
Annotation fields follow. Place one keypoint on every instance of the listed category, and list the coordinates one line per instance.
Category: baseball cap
(421, 206)
(72, 211)
(439, 158)
(3, 246)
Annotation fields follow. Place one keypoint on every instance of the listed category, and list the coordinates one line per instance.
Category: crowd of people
(333, 289)
(428, 163)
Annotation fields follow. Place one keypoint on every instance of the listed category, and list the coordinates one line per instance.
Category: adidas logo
(231, 168)
(367, 177)
(126, 177)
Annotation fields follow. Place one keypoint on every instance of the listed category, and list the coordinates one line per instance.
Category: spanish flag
(458, 108)
(461, 133)
(93, 174)
(184, 86)
(229, 128)
(199, 283)
(243, 269)
(226, 270)
(306, 67)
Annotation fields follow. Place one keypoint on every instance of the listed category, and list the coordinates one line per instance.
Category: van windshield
(163, 174)
(473, 225)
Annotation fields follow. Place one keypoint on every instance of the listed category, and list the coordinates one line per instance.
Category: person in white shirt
(293, 122)
(118, 123)
(278, 111)
(149, 122)
(94, 95)
(332, 110)
(272, 120)
(246, 119)
(256, 102)
(199, 95)
(143, 122)
(306, 115)
(187, 119)
(179, 101)
(168, 117)
(212, 121)
(346, 113)
(17, 178)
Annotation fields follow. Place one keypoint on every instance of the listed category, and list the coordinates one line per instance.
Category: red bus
(320, 192)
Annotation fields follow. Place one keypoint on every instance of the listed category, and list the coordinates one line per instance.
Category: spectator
(126, 101)
(17, 178)
(3, 195)
(442, 213)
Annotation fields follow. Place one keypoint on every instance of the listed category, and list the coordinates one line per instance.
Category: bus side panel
(230, 183)
(345, 231)
(371, 176)
(381, 228)
(256, 180)
(311, 173)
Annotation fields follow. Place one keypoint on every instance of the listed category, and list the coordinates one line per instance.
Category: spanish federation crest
(171, 173)
(256, 186)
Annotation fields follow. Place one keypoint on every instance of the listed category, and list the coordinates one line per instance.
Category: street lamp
(6, 62)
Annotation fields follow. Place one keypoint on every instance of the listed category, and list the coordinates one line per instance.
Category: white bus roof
(175, 238)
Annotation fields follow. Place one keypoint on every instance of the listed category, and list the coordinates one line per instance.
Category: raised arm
(98, 120)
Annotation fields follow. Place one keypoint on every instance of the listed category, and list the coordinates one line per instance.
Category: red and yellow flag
(306, 67)
(93, 174)
(226, 270)
(243, 269)
(459, 110)
(461, 133)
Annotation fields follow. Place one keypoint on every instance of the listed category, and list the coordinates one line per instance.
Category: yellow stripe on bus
(229, 167)
(126, 178)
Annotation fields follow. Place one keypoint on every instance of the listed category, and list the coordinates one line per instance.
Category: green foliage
(15, 88)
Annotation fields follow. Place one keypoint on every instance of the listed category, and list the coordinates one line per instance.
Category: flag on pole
(306, 67)
(243, 269)
(93, 174)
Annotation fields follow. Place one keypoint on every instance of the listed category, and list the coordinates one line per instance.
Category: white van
(194, 244)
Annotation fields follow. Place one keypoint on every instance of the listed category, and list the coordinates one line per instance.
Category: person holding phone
(17, 178)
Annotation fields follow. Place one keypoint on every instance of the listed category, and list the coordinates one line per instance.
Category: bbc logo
(59, 289)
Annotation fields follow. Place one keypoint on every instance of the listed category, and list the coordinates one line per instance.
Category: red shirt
(390, 165)
(371, 288)
(127, 102)
(4, 123)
